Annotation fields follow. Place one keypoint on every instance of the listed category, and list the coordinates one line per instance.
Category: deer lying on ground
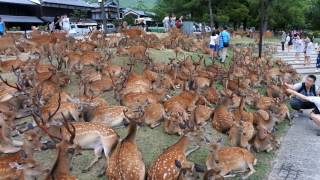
(231, 160)
(265, 141)
(164, 166)
(126, 161)
(202, 114)
(222, 119)
(241, 134)
(7, 66)
(95, 136)
(153, 114)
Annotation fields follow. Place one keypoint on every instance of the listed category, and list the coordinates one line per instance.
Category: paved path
(299, 155)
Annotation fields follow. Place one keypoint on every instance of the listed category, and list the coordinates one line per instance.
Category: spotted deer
(164, 166)
(223, 119)
(126, 161)
(265, 141)
(231, 159)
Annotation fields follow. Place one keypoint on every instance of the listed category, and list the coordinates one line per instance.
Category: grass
(152, 142)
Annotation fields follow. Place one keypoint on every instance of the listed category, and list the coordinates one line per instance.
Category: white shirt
(315, 100)
(298, 86)
(214, 39)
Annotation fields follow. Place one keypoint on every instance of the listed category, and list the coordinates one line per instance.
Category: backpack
(312, 90)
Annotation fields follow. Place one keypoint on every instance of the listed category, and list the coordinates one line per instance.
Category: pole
(211, 13)
(103, 16)
(262, 21)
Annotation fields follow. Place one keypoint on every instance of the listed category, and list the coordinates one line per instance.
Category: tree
(79, 14)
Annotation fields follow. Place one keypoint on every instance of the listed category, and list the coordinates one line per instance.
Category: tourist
(289, 41)
(306, 88)
(283, 39)
(2, 27)
(315, 101)
(57, 21)
(214, 42)
(65, 23)
(318, 57)
(166, 24)
(224, 40)
(173, 21)
(298, 46)
(309, 51)
(179, 22)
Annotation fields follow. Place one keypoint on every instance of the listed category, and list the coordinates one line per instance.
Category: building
(26, 13)
(21, 14)
(111, 9)
(137, 13)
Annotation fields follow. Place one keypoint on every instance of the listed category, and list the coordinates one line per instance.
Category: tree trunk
(118, 9)
(263, 23)
(103, 16)
(211, 14)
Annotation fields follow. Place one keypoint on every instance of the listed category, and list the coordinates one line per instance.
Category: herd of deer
(180, 94)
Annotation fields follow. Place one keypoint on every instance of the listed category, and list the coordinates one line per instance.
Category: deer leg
(192, 150)
(289, 119)
(250, 165)
(98, 155)
(155, 125)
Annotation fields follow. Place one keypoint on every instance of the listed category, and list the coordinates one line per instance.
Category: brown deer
(223, 119)
(241, 134)
(265, 141)
(231, 159)
(126, 161)
(164, 167)
(203, 114)
(153, 114)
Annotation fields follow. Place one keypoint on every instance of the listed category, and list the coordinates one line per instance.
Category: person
(283, 39)
(289, 41)
(309, 51)
(224, 40)
(315, 100)
(214, 41)
(173, 21)
(165, 22)
(51, 27)
(56, 21)
(298, 46)
(65, 23)
(318, 58)
(179, 22)
(307, 88)
(2, 27)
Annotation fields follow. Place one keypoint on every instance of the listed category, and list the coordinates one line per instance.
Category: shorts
(1, 33)
(214, 47)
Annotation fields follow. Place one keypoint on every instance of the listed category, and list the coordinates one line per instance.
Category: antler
(8, 84)
(72, 131)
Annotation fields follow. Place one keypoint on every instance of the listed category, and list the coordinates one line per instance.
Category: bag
(178, 24)
(225, 44)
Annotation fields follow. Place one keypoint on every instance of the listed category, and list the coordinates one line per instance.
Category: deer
(96, 136)
(126, 160)
(265, 141)
(231, 159)
(241, 134)
(223, 119)
(153, 114)
(203, 114)
(164, 166)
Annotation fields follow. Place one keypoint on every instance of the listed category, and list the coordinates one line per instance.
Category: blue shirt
(224, 38)
(2, 27)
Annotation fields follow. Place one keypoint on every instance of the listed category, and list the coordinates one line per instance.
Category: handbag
(225, 44)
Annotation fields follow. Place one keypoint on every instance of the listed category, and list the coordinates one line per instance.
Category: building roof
(21, 19)
(24, 2)
(80, 3)
(138, 12)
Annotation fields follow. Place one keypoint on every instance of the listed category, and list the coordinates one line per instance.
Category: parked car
(111, 28)
(81, 29)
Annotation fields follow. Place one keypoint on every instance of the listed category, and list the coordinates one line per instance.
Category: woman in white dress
(298, 46)
(65, 23)
(309, 50)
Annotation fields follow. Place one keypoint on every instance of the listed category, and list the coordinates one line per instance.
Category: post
(211, 13)
(118, 9)
(103, 16)
(263, 11)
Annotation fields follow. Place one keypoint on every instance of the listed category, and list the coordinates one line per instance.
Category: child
(214, 39)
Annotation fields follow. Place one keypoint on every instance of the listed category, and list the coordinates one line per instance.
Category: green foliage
(79, 14)
(129, 19)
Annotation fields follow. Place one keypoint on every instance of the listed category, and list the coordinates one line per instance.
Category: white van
(81, 29)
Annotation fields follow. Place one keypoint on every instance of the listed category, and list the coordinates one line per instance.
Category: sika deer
(126, 160)
(265, 141)
(231, 159)
(240, 134)
(164, 167)
(153, 114)
(223, 119)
